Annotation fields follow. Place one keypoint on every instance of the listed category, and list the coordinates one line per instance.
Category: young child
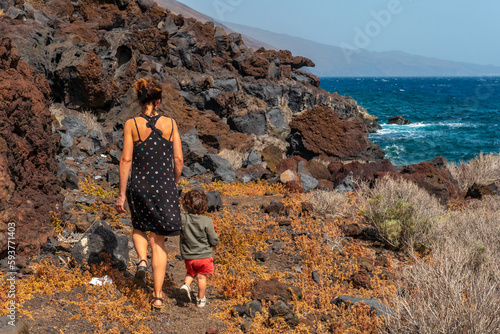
(198, 236)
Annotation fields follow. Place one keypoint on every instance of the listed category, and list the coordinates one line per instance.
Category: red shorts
(200, 266)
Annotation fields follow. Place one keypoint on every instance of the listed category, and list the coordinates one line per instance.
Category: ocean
(453, 117)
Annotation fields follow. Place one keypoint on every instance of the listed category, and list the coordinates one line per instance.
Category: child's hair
(195, 201)
(148, 91)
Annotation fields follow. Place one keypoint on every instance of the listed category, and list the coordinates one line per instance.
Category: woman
(152, 147)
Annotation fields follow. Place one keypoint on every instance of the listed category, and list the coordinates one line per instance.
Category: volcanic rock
(374, 304)
(399, 120)
(221, 168)
(28, 165)
(478, 191)
(101, 239)
(320, 132)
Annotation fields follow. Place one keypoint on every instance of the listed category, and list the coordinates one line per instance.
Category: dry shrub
(235, 158)
(484, 169)
(90, 121)
(401, 211)
(333, 203)
(457, 289)
(87, 117)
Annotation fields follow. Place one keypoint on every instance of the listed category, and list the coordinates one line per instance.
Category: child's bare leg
(202, 285)
(188, 279)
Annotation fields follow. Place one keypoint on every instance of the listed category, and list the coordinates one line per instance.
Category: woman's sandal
(140, 274)
(153, 306)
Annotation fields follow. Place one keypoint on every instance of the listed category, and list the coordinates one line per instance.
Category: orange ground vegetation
(243, 231)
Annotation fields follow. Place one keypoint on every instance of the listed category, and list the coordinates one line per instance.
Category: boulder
(248, 123)
(113, 176)
(308, 182)
(477, 191)
(439, 183)
(198, 169)
(269, 290)
(363, 171)
(272, 155)
(100, 238)
(346, 184)
(276, 118)
(375, 305)
(325, 185)
(289, 164)
(317, 170)
(214, 201)
(252, 173)
(399, 120)
(221, 168)
(74, 126)
(192, 148)
(252, 159)
(288, 176)
(320, 132)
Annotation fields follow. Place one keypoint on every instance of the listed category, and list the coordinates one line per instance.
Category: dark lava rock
(325, 185)
(478, 191)
(346, 184)
(374, 304)
(274, 207)
(398, 120)
(361, 279)
(315, 277)
(192, 148)
(221, 168)
(307, 208)
(214, 200)
(260, 256)
(364, 171)
(74, 126)
(273, 289)
(251, 160)
(249, 309)
(439, 162)
(101, 239)
(113, 176)
(351, 230)
(252, 173)
(308, 182)
(320, 131)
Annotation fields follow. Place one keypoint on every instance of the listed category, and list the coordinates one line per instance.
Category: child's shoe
(201, 302)
(185, 293)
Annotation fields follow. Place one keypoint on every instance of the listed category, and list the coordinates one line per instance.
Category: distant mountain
(334, 61)
(179, 8)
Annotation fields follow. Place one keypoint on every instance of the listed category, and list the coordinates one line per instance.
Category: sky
(460, 30)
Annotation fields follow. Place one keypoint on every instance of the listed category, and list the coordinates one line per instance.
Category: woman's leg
(141, 245)
(159, 264)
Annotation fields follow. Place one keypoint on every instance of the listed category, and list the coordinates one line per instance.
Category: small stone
(277, 247)
(260, 257)
(315, 277)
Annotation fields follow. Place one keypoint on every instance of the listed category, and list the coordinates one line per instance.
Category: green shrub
(402, 212)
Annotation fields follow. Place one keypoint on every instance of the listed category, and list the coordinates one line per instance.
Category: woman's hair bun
(148, 91)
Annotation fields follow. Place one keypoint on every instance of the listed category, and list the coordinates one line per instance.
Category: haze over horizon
(462, 31)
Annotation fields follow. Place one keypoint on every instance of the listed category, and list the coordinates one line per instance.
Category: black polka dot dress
(151, 191)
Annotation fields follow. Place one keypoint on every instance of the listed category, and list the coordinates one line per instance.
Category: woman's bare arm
(178, 157)
(125, 165)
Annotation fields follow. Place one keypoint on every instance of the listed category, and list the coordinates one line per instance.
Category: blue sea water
(453, 117)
